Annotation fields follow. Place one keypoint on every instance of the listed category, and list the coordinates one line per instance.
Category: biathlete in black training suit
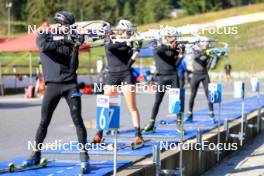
(59, 58)
(200, 74)
(166, 56)
(120, 57)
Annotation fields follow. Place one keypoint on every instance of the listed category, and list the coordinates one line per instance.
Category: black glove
(74, 39)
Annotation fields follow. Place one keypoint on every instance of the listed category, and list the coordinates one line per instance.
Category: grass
(8, 59)
(250, 61)
(206, 17)
(246, 48)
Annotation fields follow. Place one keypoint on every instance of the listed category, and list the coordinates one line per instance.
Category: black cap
(64, 18)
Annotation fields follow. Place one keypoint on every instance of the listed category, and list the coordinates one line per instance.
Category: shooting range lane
(66, 168)
(164, 133)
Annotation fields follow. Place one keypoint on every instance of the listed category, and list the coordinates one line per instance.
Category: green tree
(193, 6)
(140, 12)
(17, 11)
(156, 10)
(128, 10)
(2, 10)
(100, 10)
(39, 11)
(76, 7)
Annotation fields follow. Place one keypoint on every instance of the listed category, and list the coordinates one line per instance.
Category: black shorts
(120, 78)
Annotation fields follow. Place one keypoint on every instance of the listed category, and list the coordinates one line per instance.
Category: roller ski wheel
(85, 167)
(138, 143)
(44, 162)
(11, 167)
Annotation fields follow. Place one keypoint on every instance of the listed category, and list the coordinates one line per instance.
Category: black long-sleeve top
(118, 54)
(58, 59)
(166, 60)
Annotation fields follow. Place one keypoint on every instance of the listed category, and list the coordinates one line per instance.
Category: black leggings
(53, 94)
(196, 79)
(163, 81)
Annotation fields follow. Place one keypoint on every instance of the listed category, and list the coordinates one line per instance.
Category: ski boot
(85, 165)
(212, 117)
(34, 159)
(97, 139)
(189, 118)
(138, 142)
(150, 128)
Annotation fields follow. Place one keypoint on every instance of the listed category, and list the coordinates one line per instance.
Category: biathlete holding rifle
(166, 56)
(120, 58)
(201, 56)
(59, 58)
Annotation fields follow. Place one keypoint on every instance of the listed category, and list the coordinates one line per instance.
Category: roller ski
(150, 128)
(34, 162)
(138, 142)
(28, 165)
(85, 165)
